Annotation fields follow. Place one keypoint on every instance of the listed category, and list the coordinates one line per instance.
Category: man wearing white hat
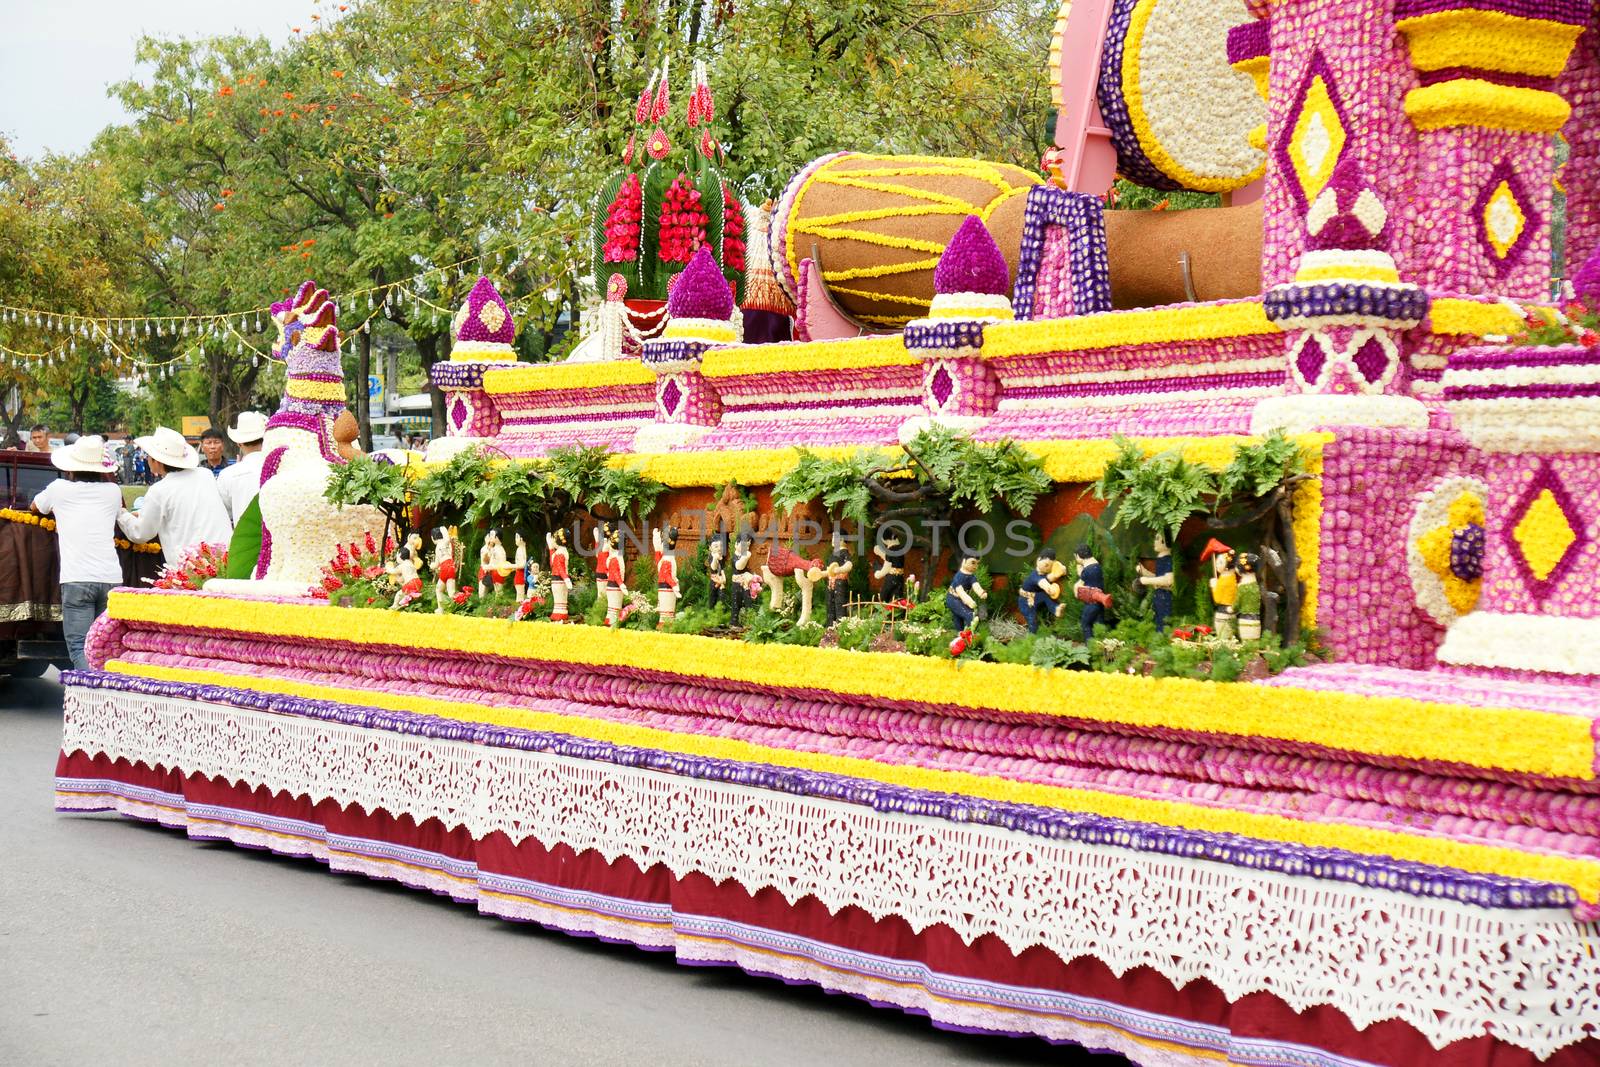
(238, 484)
(184, 507)
(85, 505)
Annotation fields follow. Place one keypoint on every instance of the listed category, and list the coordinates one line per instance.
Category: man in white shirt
(85, 504)
(238, 484)
(184, 507)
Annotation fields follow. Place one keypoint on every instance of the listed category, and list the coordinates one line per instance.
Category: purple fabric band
(1330, 864)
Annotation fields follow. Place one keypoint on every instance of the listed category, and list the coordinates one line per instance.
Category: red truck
(30, 588)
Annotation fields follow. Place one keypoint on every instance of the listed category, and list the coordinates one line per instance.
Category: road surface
(126, 943)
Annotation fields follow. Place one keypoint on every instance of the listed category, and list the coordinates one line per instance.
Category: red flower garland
(683, 221)
(623, 221)
(732, 231)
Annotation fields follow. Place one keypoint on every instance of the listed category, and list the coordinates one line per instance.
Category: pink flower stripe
(1173, 419)
(1227, 777)
(1189, 356)
(1477, 690)
(516, 404)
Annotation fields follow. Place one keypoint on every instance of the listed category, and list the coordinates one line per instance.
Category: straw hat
(249, 427)
(167, 447)
(85, 454)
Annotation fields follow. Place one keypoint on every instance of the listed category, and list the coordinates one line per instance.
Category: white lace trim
(1452, 971)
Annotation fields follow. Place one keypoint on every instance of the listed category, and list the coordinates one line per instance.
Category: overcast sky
(58, 56)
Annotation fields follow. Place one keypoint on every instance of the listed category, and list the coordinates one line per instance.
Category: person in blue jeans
(84, 503)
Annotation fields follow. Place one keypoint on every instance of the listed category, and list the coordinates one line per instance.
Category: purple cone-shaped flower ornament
(972, 263)
(483, 327)
(1347, 214)
(701, 292)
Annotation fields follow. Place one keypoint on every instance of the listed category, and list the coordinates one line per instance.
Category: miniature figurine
(406, 568)
(445, 550)
(741, 594)
(1090, 589)
(964, 593)
(666, 574)
(615, 576)
(839, 568)
(494, 567)
(1224, 588)
(525, 572)
(784, 562)
(560, 575)
(891, 573)
(716, 572)
(1039, 593)
(602, 541)
(1247, 602)
(1160, 581)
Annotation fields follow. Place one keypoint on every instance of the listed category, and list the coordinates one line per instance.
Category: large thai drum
(875, 226)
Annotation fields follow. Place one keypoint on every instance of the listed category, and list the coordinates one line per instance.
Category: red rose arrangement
(623, 222)
(732, 231)
(683, 221)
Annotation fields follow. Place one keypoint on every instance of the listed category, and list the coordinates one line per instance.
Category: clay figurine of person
(784, 562)
(891, 573)
(961, 598)
(1090, 590)
(406, 569)
(1224, 593)
(666, 574)
(1039, 596)
(740, 594)
(1247, 602)
(445, 550)
(524, 571)
(560, 574)
(716, 570)
(615, 578)
(494, 566)
(602, 542)
(839, 567)
(1160, 581)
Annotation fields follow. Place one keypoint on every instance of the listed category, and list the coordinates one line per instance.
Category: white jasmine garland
(1550, 643)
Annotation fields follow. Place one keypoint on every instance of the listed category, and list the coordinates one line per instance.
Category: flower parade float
(748, 703)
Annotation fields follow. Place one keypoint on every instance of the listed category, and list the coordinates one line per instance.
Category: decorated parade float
(1175, 633)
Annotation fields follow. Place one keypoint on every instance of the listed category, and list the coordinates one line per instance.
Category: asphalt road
(130, 944)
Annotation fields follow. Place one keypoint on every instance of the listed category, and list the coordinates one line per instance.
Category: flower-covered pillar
(972, 286)
(481, 337)
(1579, 86)
(701, 314)
(1345, 317)
(1486, 111)
(1535, 414)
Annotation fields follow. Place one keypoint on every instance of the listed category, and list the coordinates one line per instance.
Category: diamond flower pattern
(1315, 135)
(1506, 218)
(1546, 533)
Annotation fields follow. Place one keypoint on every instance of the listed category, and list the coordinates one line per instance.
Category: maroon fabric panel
(1258, 1015)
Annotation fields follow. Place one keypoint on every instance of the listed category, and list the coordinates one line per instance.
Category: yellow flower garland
(28, 518)
(855, 353)
(542, 377)
(1114, 329)
(1583, 875)
(1507, 739)
(1455, 316)
(1489, 40)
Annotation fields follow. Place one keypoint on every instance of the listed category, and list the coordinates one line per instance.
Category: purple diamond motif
(1311, 361)
(1371, 359)
(671, 394)
(941, 385)
(459, 414)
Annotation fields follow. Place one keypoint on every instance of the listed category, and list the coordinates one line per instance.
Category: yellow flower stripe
(541, 377)
(1518, 740)
(853, 353)
(881, 270)
(753, 466)
(302, 389)
(1489, 40)
(1580, 873)
(1133, 98)
(1473, 102)
(1085, 461)
(1112, 329)
(1473, 318)
(28, 518)
(1307, 526)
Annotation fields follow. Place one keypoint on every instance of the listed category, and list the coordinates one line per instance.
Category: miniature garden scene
(1146, 598)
